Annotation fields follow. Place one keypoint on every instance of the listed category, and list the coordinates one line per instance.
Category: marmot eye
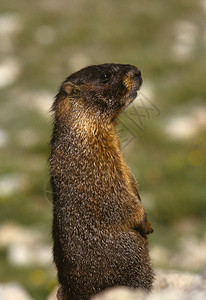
(105, 77)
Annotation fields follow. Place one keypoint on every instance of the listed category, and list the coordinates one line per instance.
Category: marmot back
(99, 224)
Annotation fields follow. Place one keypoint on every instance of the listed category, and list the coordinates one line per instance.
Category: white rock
(172, 279)
(43, 102)
(25, 255)
(160, 255)
(9, 23)
(169, 285)
(10, 69)
(185, 39)
(120, 293)
(192, 255)
(181, 127)
(13, 291)
(11, 233)
(123, 293)
(166, 295)
(11, 183)
(187, 125)
(24, 245)
(40, 100)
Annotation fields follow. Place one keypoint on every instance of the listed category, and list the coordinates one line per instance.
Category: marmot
(99, 224)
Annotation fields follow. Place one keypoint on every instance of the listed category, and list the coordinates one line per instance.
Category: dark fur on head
(106, 88)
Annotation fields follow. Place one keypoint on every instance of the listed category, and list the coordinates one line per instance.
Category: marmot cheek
(128, 83)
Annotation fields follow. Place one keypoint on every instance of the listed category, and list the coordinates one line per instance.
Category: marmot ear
(71, 89)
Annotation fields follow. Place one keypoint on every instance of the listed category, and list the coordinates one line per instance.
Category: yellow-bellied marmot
(99, 224)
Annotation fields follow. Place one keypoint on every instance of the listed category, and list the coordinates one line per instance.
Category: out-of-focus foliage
(163, 134)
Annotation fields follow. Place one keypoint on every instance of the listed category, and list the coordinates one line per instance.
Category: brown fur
(99, 224)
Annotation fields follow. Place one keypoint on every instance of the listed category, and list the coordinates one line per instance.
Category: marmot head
(107, 89)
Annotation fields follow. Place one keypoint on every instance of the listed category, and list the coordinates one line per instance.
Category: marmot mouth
(132, 96)
(137, 83)
(133, 80)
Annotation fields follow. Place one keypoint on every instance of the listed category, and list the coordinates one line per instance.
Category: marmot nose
(135, 73)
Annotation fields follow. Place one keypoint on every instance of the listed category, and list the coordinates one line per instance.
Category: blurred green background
(163, 134)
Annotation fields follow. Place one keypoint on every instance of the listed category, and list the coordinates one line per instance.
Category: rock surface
(13, 291)
(24, 246)
(169, 285)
